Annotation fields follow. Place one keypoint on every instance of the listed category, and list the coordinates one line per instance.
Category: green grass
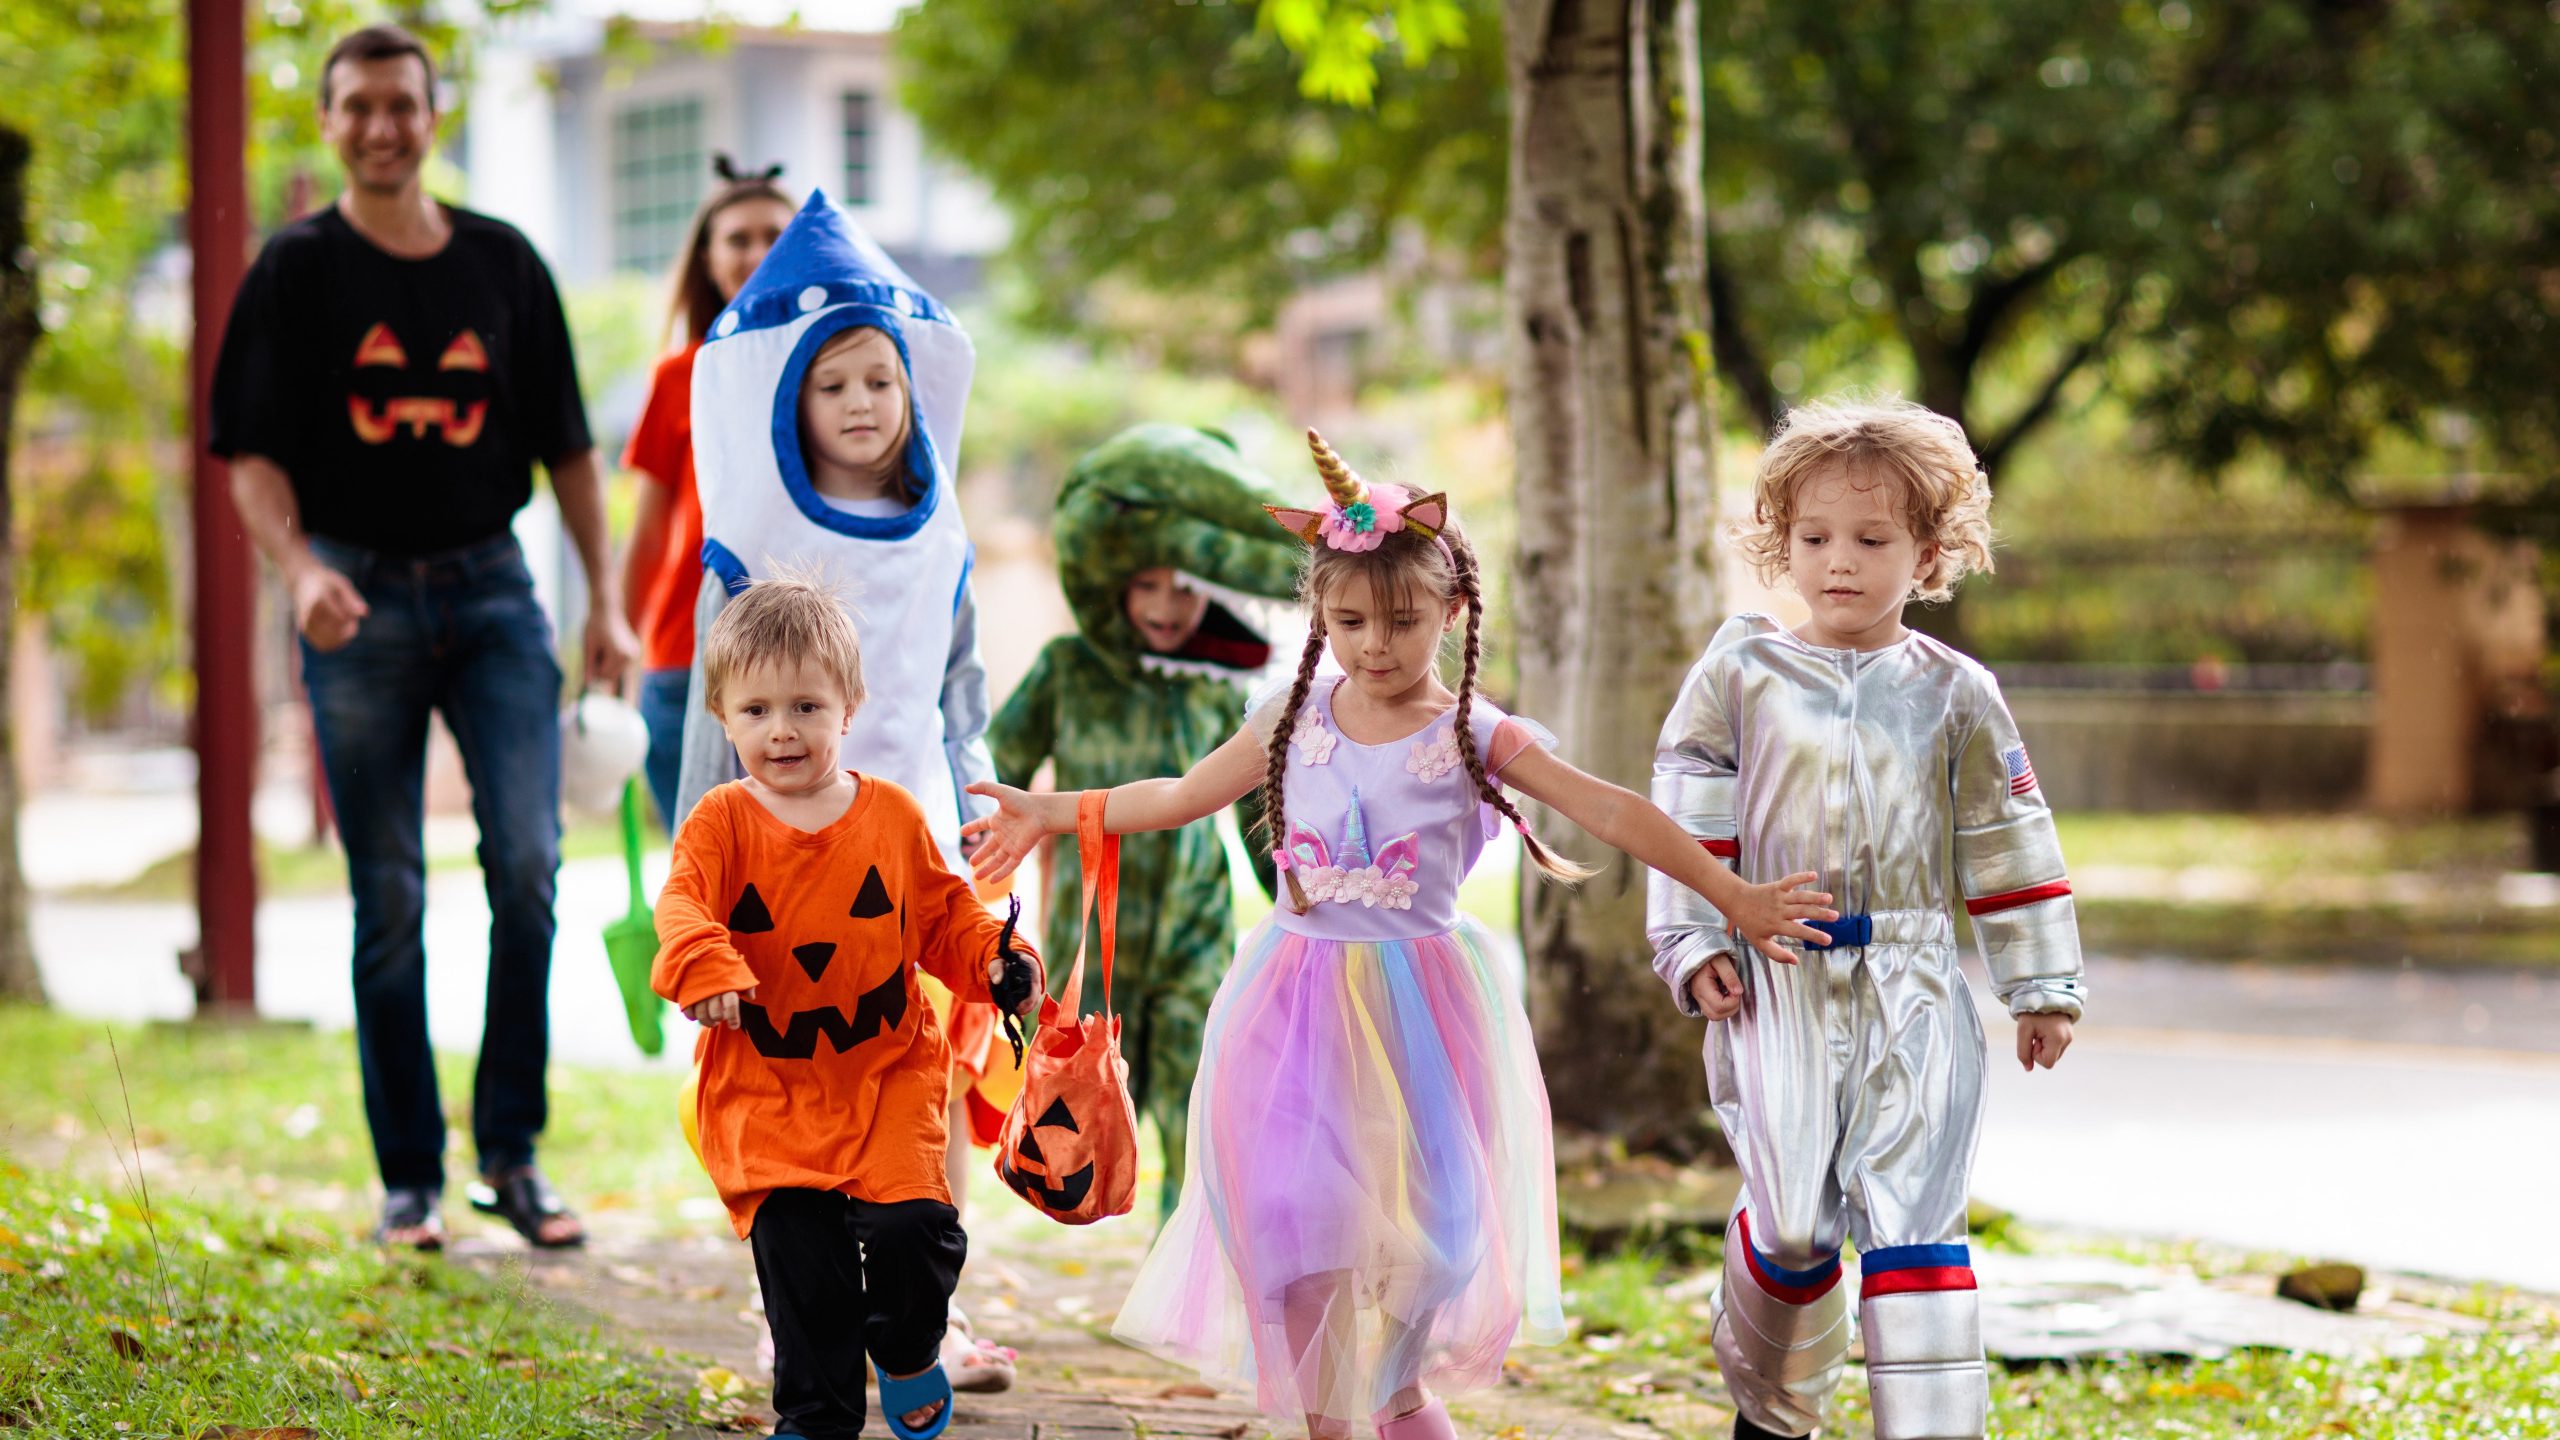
(2284, 847)
(280, 1106)
(322, 869)
(1642, 1354)
(242, 1281)
(121, 1313)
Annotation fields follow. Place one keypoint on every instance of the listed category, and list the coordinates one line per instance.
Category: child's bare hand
(721, 1009)
(1005, 838)
(2042, 1039)
(1777, 908)
(1717, 987)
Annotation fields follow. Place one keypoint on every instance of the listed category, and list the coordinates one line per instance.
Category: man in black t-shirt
(393, 370)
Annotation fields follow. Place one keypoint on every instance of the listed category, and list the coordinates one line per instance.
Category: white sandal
(981, 1368)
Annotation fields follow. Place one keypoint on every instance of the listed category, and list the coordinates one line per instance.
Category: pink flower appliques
(1429, 762)
(1369, 885)
(1313, 741)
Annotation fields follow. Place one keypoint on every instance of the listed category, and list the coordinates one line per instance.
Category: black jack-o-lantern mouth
(1068, 1192)
(456, 421)
(883, 1007)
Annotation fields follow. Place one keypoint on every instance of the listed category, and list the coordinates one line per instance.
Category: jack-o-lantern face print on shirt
(849, 988)
(445, 399)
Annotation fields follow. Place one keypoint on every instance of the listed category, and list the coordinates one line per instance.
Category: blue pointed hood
(825, 276)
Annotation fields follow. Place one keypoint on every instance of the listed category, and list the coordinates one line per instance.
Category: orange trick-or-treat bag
(1070, 1144)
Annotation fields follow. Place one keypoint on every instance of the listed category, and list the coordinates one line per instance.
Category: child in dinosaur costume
(1156, 515)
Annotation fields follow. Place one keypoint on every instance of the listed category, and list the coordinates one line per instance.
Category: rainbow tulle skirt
(1371, 1200)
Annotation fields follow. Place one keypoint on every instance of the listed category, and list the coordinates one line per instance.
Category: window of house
(859, 137)
(659, 175)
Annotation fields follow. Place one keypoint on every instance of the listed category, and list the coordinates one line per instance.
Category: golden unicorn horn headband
(1358, 515)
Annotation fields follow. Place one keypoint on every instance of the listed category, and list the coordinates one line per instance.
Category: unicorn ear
(1305, 524)
(1430, 514)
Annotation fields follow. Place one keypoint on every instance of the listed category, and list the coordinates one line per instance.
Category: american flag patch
(2022, 774)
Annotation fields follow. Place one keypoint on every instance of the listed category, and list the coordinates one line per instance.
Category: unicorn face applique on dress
(1352, 877)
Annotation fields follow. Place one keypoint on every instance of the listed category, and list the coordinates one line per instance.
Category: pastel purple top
(1381, 835)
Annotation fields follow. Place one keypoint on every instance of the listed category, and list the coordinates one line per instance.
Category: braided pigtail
(1555, 866)
(1275, 776)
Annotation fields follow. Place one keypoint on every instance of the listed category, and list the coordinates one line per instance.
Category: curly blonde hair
(1946, 497)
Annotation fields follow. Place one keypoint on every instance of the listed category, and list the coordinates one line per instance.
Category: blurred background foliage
(2196, 275)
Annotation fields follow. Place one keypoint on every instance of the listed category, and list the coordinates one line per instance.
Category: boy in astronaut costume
(904, 560)
(1850, 1083)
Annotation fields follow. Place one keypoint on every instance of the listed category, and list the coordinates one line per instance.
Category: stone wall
(2197, 750)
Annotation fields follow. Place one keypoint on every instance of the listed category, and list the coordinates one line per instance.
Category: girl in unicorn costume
(1368, 1220)
(902, 561)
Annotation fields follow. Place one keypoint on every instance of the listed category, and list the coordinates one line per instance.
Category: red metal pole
(226, 728)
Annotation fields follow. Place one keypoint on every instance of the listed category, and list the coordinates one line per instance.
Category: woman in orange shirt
(662, 569)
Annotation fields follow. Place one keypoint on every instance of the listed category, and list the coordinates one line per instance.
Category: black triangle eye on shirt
(874, 900)
(748, 916)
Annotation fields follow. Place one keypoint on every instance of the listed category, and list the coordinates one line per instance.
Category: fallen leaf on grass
(447, 1347)
(11, 1267)
(126, 1345)
(258, 1432)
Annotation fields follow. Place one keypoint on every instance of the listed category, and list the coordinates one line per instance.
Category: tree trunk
(19, 331)
(1605, 287)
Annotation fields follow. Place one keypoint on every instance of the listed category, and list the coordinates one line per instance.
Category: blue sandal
(897, 1397)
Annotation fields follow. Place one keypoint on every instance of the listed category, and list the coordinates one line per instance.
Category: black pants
(841, 1277)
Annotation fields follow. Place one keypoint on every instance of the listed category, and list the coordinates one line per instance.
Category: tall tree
(19, 331)
(1604, 283)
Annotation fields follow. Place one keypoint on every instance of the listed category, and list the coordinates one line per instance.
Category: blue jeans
(662, 697)
(460, 634)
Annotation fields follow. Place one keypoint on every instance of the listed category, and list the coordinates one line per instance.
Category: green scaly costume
(1108, 710)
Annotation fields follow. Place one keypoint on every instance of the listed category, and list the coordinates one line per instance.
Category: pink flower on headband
(1366, 525)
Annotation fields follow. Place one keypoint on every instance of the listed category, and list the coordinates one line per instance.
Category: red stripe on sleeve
(1909, 1282)
(1723, 849)
(2012, 899)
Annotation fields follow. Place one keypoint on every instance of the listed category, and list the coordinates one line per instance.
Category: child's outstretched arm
(697, 967)
(1624, 820)
(1166, 803)
(964, 704)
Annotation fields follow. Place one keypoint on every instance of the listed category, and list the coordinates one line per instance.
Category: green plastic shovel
(631, 942)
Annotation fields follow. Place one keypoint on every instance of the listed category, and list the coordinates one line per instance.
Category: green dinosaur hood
(1169, 495)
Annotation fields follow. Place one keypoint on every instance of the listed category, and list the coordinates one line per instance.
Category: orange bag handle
(1099, 856)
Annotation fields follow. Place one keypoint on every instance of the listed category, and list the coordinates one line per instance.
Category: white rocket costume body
(906, 576)
(1851, 1084)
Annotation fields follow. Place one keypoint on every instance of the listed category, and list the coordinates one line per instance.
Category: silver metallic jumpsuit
(1850, 1085)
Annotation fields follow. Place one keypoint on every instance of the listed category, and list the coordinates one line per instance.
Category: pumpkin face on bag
(1070, 1143)
(855, 988)
(1063, 1189)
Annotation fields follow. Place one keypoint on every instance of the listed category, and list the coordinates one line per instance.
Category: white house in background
(600, 153)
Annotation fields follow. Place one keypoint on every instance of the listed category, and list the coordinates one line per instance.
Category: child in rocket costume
(904, 573)
(1850, 1083)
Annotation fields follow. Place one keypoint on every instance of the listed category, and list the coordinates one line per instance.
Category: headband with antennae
(727, 170)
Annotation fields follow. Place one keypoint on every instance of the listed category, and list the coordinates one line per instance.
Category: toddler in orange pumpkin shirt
(803, 902)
